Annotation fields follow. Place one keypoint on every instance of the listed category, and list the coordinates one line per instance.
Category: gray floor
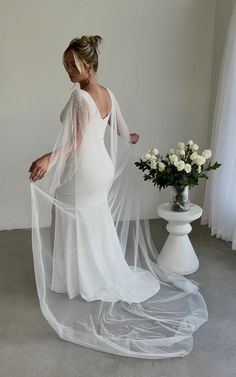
(30, 348)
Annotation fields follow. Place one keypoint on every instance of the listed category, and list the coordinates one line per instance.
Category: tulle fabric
(94, 258)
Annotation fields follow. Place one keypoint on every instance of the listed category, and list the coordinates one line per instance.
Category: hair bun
(95, 40)
(92, 40)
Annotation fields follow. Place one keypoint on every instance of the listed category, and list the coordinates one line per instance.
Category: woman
(94, 259)
(88, 81)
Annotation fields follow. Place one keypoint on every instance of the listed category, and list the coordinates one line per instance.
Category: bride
(94, 258)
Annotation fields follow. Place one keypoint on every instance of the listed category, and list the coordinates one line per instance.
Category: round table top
(166, 213)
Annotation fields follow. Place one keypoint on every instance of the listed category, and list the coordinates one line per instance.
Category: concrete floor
(30, 348)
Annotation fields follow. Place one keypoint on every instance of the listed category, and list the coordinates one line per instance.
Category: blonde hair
(84, 49)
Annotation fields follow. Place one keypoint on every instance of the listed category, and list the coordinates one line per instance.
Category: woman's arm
(122, 129)
(134, 137)
(39, 167)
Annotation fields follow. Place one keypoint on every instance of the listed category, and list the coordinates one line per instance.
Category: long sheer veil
(159, 327)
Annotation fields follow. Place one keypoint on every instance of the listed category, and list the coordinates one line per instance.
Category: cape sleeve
(120, 124)
(74, 120)
(81, 117)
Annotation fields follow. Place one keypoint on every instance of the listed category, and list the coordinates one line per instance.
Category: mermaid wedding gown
(94, 258)
(92, 264)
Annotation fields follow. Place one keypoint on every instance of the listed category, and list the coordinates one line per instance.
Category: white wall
(156, 58)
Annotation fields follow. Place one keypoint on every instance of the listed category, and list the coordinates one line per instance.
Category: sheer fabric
(219, 209)
(94, 258)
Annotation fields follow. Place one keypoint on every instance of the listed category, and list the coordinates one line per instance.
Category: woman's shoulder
(80, 96)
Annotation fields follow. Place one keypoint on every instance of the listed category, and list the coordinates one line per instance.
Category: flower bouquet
(181, 169)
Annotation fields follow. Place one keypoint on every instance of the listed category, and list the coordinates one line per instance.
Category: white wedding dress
(94, 258)
(92, 264)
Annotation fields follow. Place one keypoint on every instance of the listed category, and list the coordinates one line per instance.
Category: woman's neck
(90, 86)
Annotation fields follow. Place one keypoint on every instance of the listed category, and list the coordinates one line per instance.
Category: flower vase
(179, 201)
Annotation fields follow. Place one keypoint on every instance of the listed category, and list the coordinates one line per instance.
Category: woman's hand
(39, 167)
(134, 138)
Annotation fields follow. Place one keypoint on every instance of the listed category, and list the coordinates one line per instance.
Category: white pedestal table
(178, 254)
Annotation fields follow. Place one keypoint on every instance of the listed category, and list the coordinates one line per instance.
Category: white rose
(173, 158)
(180, 165)
(194, 156)
(180, 152)
(200, 160)
(181, 145)
(161, 166)
(187, 168)
(147, 156)
(153, 165)
(172, 151)
(154, 151)
(207, 153)
(199, 169)
(190, 142)
(152, 157)
(194, 147)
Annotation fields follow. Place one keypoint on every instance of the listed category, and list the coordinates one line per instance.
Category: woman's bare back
(102, 100)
